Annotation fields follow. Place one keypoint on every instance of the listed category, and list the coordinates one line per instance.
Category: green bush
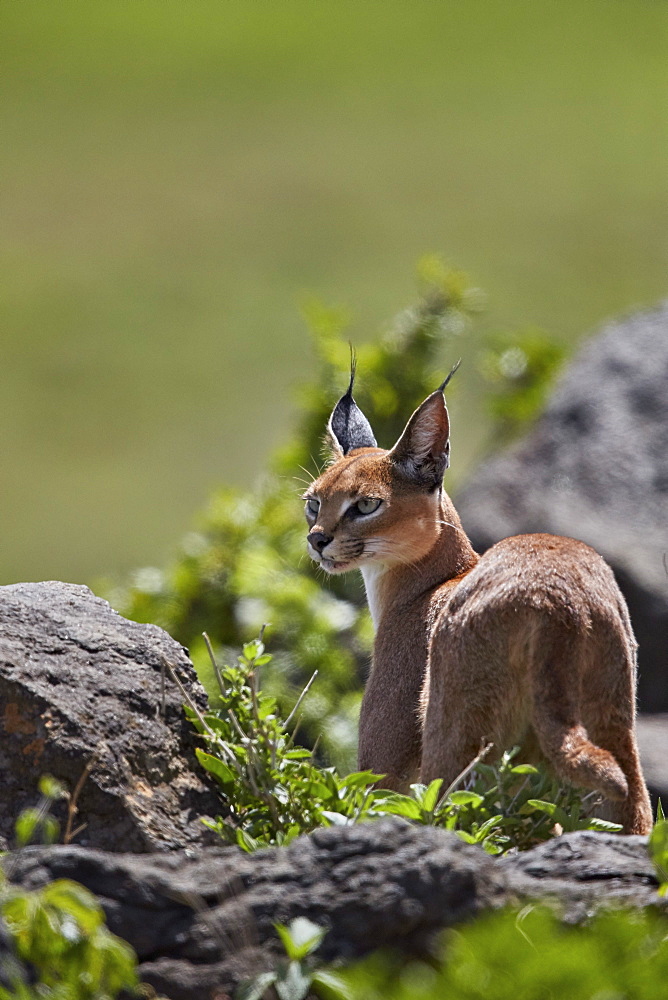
(273, 791)
(246, 564)
(62, 949)
(527, 955)
(509, 954)
(59, 932)
(518, 369)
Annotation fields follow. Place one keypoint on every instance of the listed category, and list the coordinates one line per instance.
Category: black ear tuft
(348, 427)
(446, 381)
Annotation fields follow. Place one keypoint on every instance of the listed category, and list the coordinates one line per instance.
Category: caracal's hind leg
(583, 718)
(609, 714)
(634, 812)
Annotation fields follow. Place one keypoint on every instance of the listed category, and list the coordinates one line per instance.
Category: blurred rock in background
(595, 467)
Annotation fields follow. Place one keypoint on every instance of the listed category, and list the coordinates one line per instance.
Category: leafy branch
(274, 790)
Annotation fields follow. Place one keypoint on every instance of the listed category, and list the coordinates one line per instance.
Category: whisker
(319, 465)
(312, 478)
(450, 525)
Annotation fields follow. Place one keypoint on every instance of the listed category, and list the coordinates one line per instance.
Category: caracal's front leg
(462, 710)
(389, 733)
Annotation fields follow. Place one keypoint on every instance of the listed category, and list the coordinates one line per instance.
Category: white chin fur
(342, 567)
(331, 566)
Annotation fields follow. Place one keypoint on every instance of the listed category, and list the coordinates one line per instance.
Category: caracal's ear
(348, 428)
(423, 451)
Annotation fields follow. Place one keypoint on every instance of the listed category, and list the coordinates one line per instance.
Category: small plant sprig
(36, 823)
(297, 974)
(658, 848)
(274, 790)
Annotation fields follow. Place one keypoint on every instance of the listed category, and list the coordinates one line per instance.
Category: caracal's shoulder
(538, 546)
(522, 571)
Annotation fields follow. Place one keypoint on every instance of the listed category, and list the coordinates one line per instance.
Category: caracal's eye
(367, 506)
(312, 506)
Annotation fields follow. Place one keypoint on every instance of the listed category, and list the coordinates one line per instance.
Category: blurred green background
(178, 177)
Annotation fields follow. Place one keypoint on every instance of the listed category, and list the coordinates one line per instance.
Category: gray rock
(595, 467)
(652, 733)
(583, 870)
(80, 683)
(202, 924)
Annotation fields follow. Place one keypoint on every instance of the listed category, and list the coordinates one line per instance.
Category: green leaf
(466, 799)
(468, 837)
(60, 931)
(26, 826)
(290, 834)
(216, 766)
(268, 707)
(602, 825)
(400, 805)
(50, 829)
(50, 788)
(659, 811)
(220, 726)
(550, 808)
(300, 937)
(524, 769)
(487, 827)
(75, 900)
(360, 779)
(248, 843)
(492, 847)
(431, 794)
(321, 792)
(252, 650)
(418, 791)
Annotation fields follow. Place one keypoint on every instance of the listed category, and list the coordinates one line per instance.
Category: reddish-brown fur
(530, 643)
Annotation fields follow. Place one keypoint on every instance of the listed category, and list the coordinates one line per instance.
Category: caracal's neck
(393, 590)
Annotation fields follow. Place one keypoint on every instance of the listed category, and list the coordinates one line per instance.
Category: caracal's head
(373, 506)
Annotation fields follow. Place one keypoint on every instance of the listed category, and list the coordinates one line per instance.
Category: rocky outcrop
(80, 685)
(201, 924)
(652, 731)
(595, 467)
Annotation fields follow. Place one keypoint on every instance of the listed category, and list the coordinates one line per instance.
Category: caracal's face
(362, 510)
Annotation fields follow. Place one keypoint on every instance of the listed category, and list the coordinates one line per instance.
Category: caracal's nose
(318, 539)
